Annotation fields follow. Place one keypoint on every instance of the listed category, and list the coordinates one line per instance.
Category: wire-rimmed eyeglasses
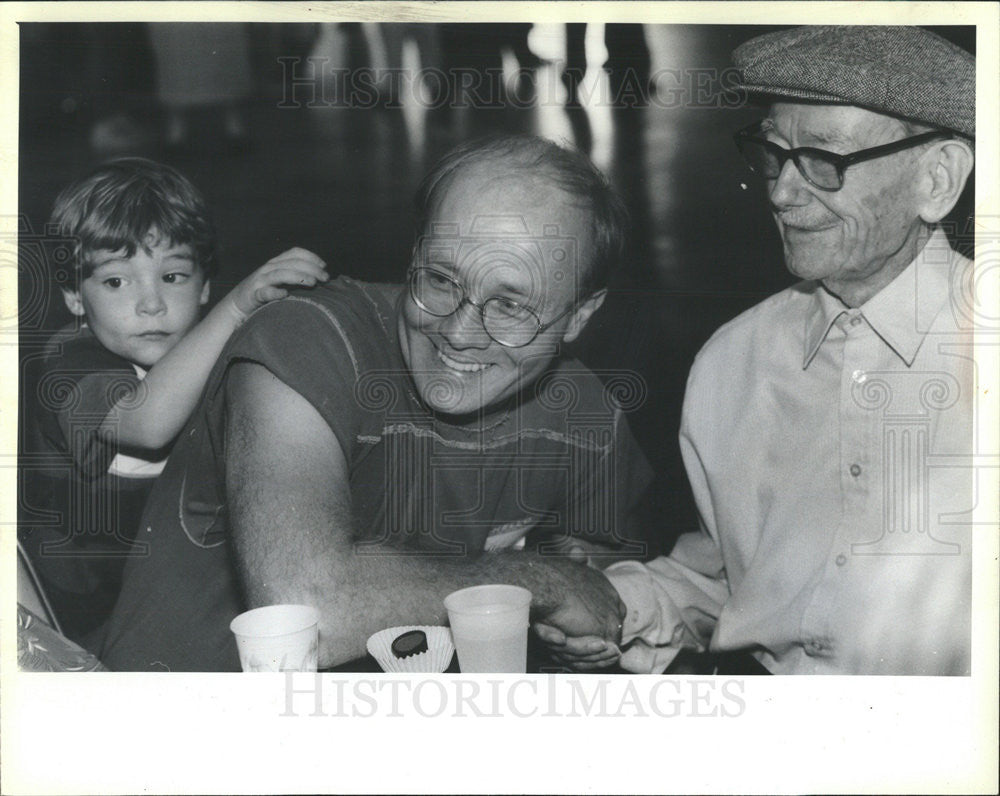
(508, 323)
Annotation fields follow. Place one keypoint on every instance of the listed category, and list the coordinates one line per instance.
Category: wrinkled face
(844, 238)
(139, 307)
(511, 237)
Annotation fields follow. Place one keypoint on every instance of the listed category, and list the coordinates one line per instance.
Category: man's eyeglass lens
(506, 321)
(767, 160)
(823, 169)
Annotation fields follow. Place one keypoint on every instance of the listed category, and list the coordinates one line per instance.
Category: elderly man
(827, 431)
(360, 446)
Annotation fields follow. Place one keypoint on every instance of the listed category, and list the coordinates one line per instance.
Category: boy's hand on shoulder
(293, 268)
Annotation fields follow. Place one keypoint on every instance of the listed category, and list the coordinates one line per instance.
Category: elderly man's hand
(584, 603)
(583, 653)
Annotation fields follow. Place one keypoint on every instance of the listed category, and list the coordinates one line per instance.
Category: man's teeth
(466, 367)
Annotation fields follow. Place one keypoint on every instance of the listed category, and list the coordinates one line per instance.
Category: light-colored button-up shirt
(830, 454)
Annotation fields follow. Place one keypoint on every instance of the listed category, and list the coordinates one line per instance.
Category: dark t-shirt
(560, 458)
(80, 514)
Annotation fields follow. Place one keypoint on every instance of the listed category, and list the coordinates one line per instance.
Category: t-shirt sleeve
(77, 391)
(315, 350)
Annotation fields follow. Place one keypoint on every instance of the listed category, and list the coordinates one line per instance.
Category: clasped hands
(584, 630)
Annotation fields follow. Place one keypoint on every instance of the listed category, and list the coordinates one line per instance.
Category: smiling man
(827, 431)
(360, 447)
(515, 242)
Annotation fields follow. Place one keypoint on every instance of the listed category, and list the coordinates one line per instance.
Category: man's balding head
(563, 169)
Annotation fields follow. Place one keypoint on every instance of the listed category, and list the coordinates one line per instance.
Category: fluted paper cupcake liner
(440, 649)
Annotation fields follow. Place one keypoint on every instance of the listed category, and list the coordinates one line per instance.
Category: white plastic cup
(278, 638)
(489, 625)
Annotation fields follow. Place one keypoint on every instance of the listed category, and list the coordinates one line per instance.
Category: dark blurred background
(317, 135)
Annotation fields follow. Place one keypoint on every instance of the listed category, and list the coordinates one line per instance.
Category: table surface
(687, 662)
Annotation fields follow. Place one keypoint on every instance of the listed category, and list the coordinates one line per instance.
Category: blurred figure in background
(627, 64)
(90, 78)
(425, 37)
(202, 66)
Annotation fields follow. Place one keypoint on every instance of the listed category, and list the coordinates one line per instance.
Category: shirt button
(841, 560)
(855, 470)
(855, 320)
(859, 376)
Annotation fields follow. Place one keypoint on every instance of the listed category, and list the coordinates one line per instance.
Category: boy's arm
(154, 413)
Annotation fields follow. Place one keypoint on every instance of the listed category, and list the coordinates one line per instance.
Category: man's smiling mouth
(464, 367)
(803, 225)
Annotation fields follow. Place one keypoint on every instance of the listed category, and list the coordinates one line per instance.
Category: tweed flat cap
(896, 70)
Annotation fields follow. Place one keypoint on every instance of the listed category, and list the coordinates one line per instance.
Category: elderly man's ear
(578, 320)
(944, 169)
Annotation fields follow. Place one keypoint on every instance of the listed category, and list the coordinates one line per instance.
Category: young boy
(114, 389)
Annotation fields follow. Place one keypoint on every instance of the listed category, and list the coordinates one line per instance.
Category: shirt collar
(825, 309)
(900, 313)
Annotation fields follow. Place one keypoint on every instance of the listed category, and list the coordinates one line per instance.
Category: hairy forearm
(360, 588)
(287, 485)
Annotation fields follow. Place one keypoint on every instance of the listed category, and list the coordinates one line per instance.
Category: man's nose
(464, 328)
(151, 301)
(789, 188)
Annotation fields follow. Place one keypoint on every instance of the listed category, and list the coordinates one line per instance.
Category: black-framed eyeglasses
(821, 169)
(510, 324)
